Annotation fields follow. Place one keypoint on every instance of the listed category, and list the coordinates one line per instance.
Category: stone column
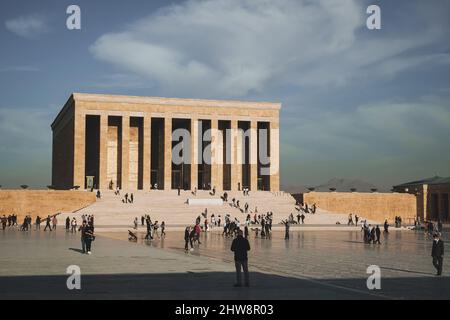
(194, 153)
(214, 155)
(240, 155)
(103, 183)
(235, 178)
(146, 152)
(274, 156)
(125, 152)
(167, 153)
(219, 159)
(79, 165)
(254, 155)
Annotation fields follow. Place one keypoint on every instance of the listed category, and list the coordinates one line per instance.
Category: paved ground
(311, 265)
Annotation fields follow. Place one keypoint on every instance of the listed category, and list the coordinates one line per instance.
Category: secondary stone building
(104, 141)
(432, 195)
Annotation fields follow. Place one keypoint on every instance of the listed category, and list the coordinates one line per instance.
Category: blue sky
(357, 104)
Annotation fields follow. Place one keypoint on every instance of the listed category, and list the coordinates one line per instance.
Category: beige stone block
(194, 153)
(168, 153)
(274, 156)
(79, 150)
(254, 155)
(125, 151)
(146, 152)
(234, 155)
(103, 183)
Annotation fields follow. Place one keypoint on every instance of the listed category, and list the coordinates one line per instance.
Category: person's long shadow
(77, 250)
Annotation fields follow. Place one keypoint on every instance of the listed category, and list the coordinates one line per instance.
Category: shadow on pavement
(218, 285)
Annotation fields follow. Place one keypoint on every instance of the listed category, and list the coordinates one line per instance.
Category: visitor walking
(377, 234)
(437, 253)
(38, 223)
(47, 223)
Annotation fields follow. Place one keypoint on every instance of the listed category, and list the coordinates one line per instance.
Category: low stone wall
(374, 206)
(42, 202)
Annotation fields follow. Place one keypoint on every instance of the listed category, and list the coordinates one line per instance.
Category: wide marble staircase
(112, 211)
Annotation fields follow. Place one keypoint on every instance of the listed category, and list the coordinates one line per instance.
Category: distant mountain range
(340, 184)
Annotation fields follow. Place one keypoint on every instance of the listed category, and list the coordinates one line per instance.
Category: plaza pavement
(311, 265)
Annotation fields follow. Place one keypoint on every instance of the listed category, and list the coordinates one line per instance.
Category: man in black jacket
(437, 253)
(240, 246)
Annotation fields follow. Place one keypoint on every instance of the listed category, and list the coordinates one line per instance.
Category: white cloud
(230, 46)
(28, 26)
(235, 47)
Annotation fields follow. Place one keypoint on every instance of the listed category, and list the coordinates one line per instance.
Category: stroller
(132, 236)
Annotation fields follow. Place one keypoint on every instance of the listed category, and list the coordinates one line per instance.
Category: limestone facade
(375, 206)
(127, 142)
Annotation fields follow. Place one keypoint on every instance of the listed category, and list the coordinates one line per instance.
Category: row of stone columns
(216, 156)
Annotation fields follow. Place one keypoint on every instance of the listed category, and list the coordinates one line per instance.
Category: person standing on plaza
(74, 225)
(4, 220)
(350, 219)
(155, 228)
(38, 223)
(246, 232)
(67, 224)
(437, 253)
(240, 246)
(286, 230)
(187, 238)
(386, 226)
(192, 237)
(163, 229)
(142, 220)
(372, 234)
(149, 235)
(377, 234)
(88, 237)
(54, 222)
(47, 224)
(82, 229)
(356, 219)
(132, 198)
(135, 223)
(197, 231)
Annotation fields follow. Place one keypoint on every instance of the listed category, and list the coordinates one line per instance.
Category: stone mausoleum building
(108, 141)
